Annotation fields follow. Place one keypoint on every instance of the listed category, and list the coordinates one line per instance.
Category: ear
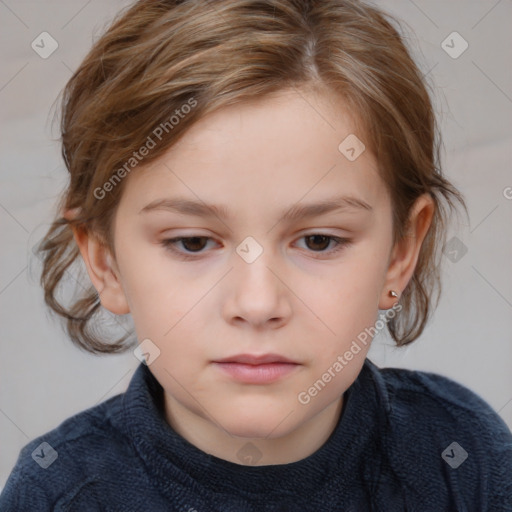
(103, 271)
(405, 254)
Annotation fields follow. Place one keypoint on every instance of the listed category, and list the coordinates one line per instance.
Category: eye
(321, 240)
(316, 242)
(193, 244)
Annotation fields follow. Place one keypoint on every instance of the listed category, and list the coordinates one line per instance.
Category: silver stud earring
(392, 293)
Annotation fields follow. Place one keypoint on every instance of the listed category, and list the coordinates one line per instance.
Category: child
(257, 128)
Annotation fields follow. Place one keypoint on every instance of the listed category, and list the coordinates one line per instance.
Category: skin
(299, 298)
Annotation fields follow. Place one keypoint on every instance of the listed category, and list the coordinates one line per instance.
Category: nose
(258, 296)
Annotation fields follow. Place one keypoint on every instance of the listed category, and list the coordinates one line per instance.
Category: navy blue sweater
(405, 441)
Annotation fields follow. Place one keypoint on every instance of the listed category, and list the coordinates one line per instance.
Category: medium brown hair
(158, 55)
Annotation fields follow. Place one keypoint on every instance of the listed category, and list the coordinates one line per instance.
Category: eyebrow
(296, 212)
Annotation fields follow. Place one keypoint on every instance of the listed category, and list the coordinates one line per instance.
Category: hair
(159, 56)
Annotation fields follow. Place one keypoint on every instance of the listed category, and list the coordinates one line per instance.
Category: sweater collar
(170, 458)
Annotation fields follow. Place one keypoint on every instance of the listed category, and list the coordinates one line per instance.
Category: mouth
(257, 369)
(256, 359)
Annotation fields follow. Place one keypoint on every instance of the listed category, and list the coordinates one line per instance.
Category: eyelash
(169, 244)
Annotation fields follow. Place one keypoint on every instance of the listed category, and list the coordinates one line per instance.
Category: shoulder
(57, 465)
(418, 395)
(439, 430)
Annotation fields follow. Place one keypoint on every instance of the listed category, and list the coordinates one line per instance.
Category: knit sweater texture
(405, 441)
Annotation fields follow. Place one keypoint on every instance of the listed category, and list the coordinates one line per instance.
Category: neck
(213, 439)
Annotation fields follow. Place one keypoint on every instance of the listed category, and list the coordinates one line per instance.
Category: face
(245, 278)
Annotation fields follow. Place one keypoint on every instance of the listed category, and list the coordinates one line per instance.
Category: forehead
(273, 123)
(288, 147)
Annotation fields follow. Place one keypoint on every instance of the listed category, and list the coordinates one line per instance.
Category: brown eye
(194, 244)
(318, 242)
(190, 245)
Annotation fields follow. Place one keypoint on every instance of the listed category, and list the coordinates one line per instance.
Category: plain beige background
(45, 379)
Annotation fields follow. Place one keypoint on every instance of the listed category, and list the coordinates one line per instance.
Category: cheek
(345, 307)
(148, 270)
(348, 294)
(164, 307)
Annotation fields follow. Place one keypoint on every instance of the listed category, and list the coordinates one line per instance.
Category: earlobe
(102, 272)
(405, 254)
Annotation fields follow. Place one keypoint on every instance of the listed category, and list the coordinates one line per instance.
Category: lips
(256, 359)
(257, 369)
